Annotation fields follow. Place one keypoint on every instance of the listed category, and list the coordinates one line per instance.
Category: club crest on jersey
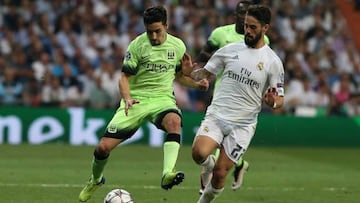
(112, 129)
(171, 54)
(206, 129)
(260, 66)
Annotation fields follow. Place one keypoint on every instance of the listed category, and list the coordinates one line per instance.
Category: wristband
(274, 106)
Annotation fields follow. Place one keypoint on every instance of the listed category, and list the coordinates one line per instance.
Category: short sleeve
(131, 59)
(215, 38)
(277, 76)
(216, 63)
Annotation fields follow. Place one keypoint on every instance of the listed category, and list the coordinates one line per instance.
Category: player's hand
(270, 95)
(186, 64)
(203, 84)
(129, 103)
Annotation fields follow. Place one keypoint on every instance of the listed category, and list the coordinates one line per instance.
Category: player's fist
(269, 97)
(186, 64)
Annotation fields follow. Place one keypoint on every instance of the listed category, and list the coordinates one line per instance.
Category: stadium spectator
(294, 91)
(52, 93)
(42, 66)
(76, 96)
(98, 97)
(20, 64)
(2, 67)
(31, 95)
(11, 89)
(109, 76)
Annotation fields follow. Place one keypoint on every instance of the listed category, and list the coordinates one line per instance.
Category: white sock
(209, 194)
(209, 163)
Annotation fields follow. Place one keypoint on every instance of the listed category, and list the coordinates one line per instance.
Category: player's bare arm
(183, 76)
(191, 70)
(201, 73)
(189, 82)
(272, 99)
(125, 92)
(187, 66)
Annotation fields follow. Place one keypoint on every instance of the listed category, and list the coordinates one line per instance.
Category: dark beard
(252, 42)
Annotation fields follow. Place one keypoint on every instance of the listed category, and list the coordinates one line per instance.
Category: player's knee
(101, 152)
(173, 124)
(197, 155)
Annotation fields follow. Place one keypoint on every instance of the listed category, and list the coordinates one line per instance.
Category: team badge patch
(171, 54)
(260, 65)
(112, 129)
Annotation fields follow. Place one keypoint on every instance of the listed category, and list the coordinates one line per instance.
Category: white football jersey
(247, 74)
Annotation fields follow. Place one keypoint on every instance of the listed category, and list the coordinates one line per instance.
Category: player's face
(240, 16)
(253, 31)
(156, 33)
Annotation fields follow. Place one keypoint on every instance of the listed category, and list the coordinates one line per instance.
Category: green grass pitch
(57, 173)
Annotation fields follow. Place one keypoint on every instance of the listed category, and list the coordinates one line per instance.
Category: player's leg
(171, 123)
(216, 186)
(203, 146)
(242, 137)
(217, 153)
(202, 149)
(100, 158)
(115, 134)
(101, 154)
(241, 167)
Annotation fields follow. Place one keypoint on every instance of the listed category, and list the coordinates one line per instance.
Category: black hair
(155, 14)
(242, 6)
(261, 12)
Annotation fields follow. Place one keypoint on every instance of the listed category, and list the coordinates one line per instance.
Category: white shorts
(234, 138)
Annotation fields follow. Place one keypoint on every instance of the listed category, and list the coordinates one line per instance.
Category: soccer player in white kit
(252, 74)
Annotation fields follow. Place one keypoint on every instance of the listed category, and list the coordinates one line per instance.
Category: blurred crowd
(63, 53)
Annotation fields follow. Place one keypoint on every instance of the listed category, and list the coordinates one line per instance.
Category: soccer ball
(118, 196)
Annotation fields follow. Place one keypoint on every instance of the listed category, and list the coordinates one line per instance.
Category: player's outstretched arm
(191, 70)
(200, 74)
(189, 82)
(187, 66)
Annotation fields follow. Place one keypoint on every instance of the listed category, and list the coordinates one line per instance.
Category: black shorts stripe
(121, 134)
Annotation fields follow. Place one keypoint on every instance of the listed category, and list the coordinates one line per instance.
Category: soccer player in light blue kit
(219, 38)
(252, 74)
(152, 62)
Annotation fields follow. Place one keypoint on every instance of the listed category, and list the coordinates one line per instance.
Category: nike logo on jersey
(235, 57)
